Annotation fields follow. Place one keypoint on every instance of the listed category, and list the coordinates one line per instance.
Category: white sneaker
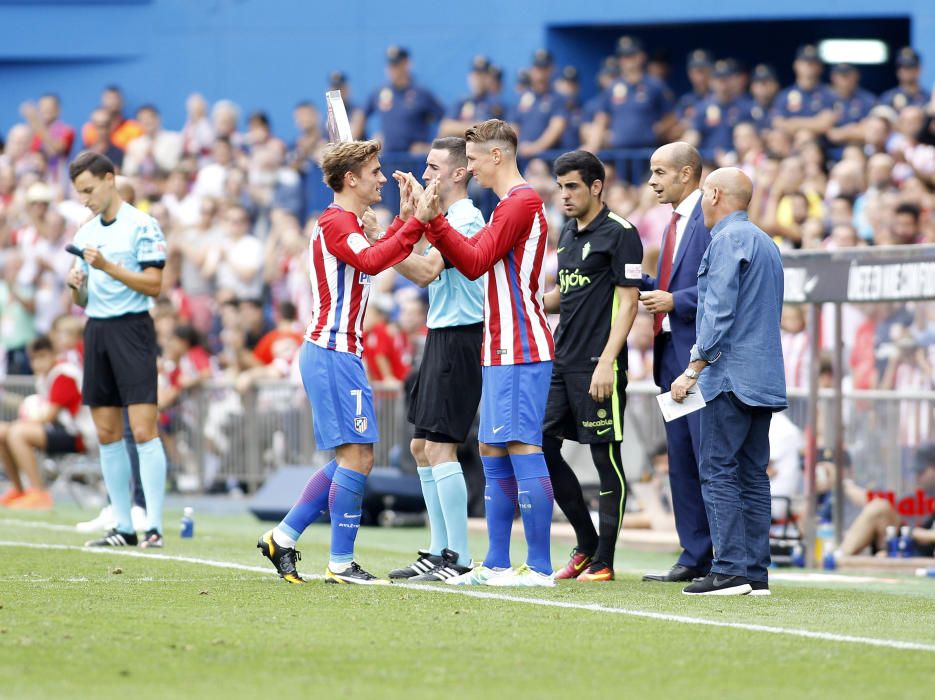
(522, 576)
(102, 523)
(138, 516)
(476, 576)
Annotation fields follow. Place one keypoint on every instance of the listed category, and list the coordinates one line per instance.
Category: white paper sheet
(671, 409)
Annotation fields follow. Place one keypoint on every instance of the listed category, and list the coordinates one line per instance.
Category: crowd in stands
(833, 165)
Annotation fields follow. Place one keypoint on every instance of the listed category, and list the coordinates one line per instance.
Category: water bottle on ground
(892, 541)
(824, 545)
(906, 549)
(798, 556)
(188, 524)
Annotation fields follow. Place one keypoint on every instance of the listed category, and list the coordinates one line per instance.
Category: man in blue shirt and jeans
(737, 364)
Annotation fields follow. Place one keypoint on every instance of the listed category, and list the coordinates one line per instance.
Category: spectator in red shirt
(121, 130)
(51, 135)
(276, 350)
(184, 365)
(383, 345)
(50, 420)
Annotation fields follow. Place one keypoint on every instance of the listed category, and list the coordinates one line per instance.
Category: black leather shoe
(677, 573)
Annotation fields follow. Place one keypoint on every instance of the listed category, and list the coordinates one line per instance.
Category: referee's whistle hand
(95, 258)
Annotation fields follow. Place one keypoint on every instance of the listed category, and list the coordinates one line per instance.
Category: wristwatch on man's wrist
(690, 373)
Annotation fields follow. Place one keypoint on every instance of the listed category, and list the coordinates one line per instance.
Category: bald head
(734, 186)
(726, 190)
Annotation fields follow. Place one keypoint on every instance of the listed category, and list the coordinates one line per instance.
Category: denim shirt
(740, 292)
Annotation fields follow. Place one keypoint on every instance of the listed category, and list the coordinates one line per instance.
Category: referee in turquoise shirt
(119, 272)
(447, 390)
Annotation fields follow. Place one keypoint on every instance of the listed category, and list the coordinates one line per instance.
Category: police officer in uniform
(698, 69)
(716, 116)
(406, 111)
(474, 108)
(606, 76)
(566, 85)
(763, 89)
(908, 92)
(851, 105)
(638, 110)
(540, 117)
(807, 104)
(495, 104)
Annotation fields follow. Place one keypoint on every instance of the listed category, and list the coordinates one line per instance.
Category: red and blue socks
(312, 504)
(500, 506)
(534, 493)
(345, 502)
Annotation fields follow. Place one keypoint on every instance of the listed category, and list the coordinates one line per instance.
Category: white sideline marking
(130, 552)
(593, 607)
(37, 525)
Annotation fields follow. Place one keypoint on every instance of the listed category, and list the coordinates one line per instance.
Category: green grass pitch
(80, 624)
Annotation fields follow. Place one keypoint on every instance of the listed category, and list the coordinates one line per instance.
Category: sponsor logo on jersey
(572, 280)
(603, 422)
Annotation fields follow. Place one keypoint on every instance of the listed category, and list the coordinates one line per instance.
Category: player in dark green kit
(599, 271)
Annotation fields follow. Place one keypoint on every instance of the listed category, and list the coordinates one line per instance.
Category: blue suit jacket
(683, 285)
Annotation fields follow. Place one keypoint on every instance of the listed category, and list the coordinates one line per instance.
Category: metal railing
(215, 435)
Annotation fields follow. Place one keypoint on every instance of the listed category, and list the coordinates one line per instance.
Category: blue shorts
(341, 399)
(512, 403)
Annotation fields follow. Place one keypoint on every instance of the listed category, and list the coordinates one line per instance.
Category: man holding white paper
(737, 365)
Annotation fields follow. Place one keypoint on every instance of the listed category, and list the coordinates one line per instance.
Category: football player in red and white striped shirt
(517, 353)
(341, 263)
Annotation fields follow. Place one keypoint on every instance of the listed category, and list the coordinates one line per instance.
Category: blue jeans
(735, 486)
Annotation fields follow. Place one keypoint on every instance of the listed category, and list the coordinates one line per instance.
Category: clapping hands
(409, 193)
(429, 205)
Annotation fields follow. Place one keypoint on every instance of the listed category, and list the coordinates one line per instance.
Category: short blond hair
(343, 158)
(492, 130)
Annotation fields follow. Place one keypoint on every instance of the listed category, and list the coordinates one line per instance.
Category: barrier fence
(215, 437)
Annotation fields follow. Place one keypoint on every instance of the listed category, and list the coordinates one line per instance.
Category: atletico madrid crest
(360, 424)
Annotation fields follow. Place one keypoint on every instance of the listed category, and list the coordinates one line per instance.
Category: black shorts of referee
(120, 360)
(446, 393)
(571, 413)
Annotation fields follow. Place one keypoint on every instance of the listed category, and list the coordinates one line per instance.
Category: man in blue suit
(673, 297)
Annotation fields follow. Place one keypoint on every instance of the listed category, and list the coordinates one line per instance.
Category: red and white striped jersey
(510, 249)
(341, 262)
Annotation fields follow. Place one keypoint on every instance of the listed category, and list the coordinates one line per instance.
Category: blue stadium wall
(271, 53)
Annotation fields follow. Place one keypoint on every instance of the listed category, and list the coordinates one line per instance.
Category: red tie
(665, 266)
